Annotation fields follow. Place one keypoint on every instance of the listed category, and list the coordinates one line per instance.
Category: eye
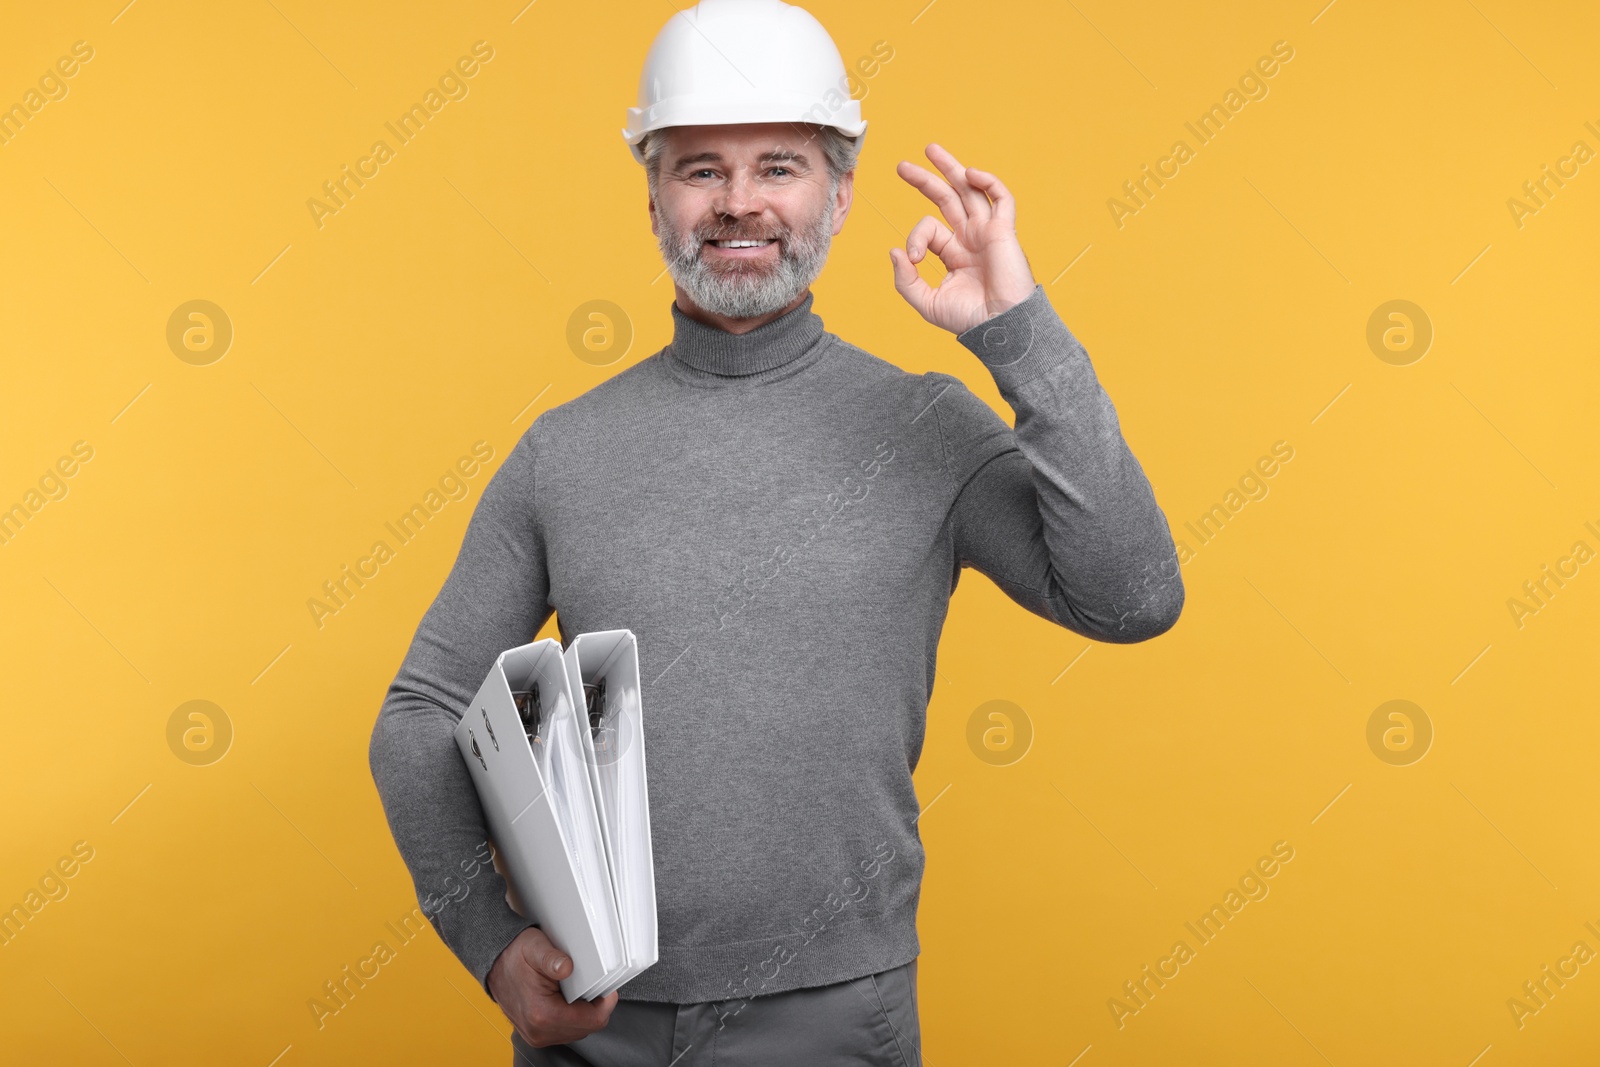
(703, 170)
(779, 167)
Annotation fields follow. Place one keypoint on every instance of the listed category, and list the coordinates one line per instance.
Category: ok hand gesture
(988, 272)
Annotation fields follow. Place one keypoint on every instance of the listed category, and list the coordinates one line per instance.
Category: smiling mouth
(745, 243)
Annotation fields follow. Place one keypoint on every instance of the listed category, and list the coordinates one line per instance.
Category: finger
(909, 284)
(973, 200)
(543, 1033)
(586, 1015)
(928, 234)
(934, 189)
(1005, 205)
(549, 1014)
(548, 961)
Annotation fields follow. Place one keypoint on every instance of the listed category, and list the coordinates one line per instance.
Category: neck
(752, 353)
(732, 325)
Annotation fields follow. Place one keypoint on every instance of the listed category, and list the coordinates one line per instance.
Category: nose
(741, 196)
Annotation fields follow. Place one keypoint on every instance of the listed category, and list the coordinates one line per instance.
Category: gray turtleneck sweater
(780, 517)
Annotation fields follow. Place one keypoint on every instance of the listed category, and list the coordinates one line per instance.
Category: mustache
(712, 234)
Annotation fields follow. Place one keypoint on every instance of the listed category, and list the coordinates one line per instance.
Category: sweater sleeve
(1057, 513)
(494, 598)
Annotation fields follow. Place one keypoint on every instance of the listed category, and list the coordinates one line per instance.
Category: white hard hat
(734, 61)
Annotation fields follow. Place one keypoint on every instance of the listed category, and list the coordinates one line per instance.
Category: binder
(614, 753)
(569, 813)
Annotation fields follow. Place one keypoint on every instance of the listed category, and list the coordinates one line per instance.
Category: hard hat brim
(719, 111)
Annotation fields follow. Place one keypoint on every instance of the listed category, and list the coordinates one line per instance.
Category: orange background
(1229, 313)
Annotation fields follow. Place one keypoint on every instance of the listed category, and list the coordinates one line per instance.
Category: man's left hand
(988, 272)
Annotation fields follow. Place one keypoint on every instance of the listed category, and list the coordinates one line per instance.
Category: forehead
(743, 143)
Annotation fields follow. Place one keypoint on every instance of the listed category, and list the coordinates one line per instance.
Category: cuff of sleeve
(1022, 342)
(486, 937)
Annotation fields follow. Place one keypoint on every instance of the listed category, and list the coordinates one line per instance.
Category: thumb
(908, 283)
(553, 963)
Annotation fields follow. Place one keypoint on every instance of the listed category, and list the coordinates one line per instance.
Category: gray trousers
(869, 1021)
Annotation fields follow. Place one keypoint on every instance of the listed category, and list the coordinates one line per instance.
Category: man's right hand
(525, 981)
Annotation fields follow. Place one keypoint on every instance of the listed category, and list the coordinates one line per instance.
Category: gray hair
(841, 152)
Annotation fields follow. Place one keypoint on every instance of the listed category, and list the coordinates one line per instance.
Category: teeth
(742, 244)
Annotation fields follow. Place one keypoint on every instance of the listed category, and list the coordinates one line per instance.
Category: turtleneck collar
(765, 348)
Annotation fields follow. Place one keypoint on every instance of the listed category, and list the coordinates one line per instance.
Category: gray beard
(741, 291)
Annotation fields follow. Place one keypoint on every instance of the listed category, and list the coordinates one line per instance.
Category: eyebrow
(776, 155)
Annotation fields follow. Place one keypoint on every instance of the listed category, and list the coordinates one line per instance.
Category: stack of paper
(555, 743)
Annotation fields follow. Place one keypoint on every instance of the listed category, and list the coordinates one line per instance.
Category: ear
(843, 199)
(655, 224)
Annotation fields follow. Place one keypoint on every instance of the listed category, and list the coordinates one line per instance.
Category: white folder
(587, 879)
(615, 757)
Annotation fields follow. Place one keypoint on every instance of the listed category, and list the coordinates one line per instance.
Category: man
(780, 517)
